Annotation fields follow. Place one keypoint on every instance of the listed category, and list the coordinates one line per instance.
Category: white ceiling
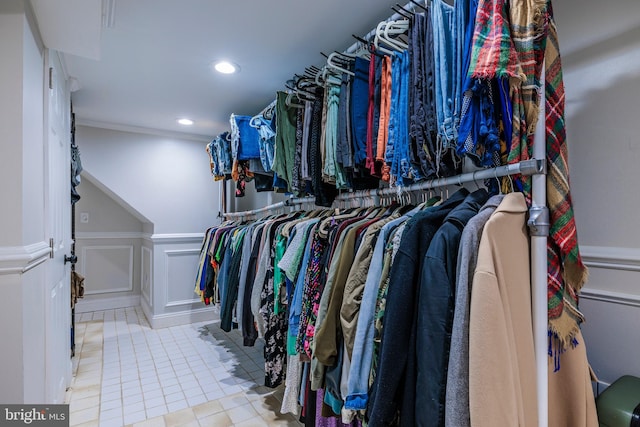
(155, 63)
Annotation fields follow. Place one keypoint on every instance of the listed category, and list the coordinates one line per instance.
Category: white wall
(253, 199)
(11, 46)
(167, 183)
(164, 178)
(23, 247)
(105, 214)
(109, 250)
(600, 46)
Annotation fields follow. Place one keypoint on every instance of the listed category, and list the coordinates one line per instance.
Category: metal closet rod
(289, 202)
(525, 167)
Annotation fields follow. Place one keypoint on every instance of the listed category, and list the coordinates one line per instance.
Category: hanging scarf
(564, 255)
(513, 42)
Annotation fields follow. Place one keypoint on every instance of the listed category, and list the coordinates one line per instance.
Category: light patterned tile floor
(127, 374)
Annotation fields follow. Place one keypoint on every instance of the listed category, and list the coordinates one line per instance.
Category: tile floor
(127, 374)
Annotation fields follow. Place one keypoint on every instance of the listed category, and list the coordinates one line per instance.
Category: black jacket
(436, 303)
(395, 379)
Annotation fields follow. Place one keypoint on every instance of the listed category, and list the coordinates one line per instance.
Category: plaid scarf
(513, 41)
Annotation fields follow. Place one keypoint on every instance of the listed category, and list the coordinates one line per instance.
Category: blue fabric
(442, 17)
(507, 111)
(223, 274)
(465, 12)
(362, 355)
(478, 135)
(389, 154)
(295, 309)
(244, 138)
(279, 182)
(398, 150)
(266, 140)
(359, 110)
(222, 157)
(333, 402)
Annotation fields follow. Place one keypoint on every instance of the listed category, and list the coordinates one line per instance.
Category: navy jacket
(436, 303)
(394, 384)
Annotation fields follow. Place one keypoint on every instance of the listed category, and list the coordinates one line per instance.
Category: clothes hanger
(290, 102)
(376, 40)
(330, 77)
(495, 175)
(385, 32)
(419, 5)
(397, 28)
(402, 11)
(331, 63)
(369, 46)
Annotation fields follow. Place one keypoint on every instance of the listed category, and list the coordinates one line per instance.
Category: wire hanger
(402, 11)
(419, 5)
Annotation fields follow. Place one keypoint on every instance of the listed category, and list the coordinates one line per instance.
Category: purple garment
(330, 421)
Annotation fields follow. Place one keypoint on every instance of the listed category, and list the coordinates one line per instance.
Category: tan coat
(502, 370)
(571, 401)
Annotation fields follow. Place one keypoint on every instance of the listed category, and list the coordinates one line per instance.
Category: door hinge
(51, 247)
(50, 77)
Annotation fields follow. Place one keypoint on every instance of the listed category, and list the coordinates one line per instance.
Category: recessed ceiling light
(226, 67)
(185, 122)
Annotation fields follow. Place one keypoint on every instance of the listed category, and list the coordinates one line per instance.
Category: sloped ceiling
(70, 26)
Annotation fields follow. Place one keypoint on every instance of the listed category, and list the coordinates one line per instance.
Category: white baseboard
(94, 304)
(146, 309)
(166, 320)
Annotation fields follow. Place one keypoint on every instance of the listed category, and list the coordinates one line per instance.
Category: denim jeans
(390, 155)
(359, 109)
(222, 146)
(402, 170)
(244, 138)
(443, 44)
(266, 142)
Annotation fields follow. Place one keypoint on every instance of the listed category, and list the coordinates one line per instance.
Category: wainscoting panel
(107, 269)
(181, 268)
(610, 302)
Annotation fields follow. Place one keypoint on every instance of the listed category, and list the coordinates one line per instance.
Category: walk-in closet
(325, 213)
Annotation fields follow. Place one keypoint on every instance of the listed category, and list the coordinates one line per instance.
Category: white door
(58, 294)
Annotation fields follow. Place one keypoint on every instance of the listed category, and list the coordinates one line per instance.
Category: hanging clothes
(393, 317)
(457, 390)
(500, 323)
(397, 352)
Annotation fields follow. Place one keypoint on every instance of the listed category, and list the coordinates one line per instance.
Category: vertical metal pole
(539, 223)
